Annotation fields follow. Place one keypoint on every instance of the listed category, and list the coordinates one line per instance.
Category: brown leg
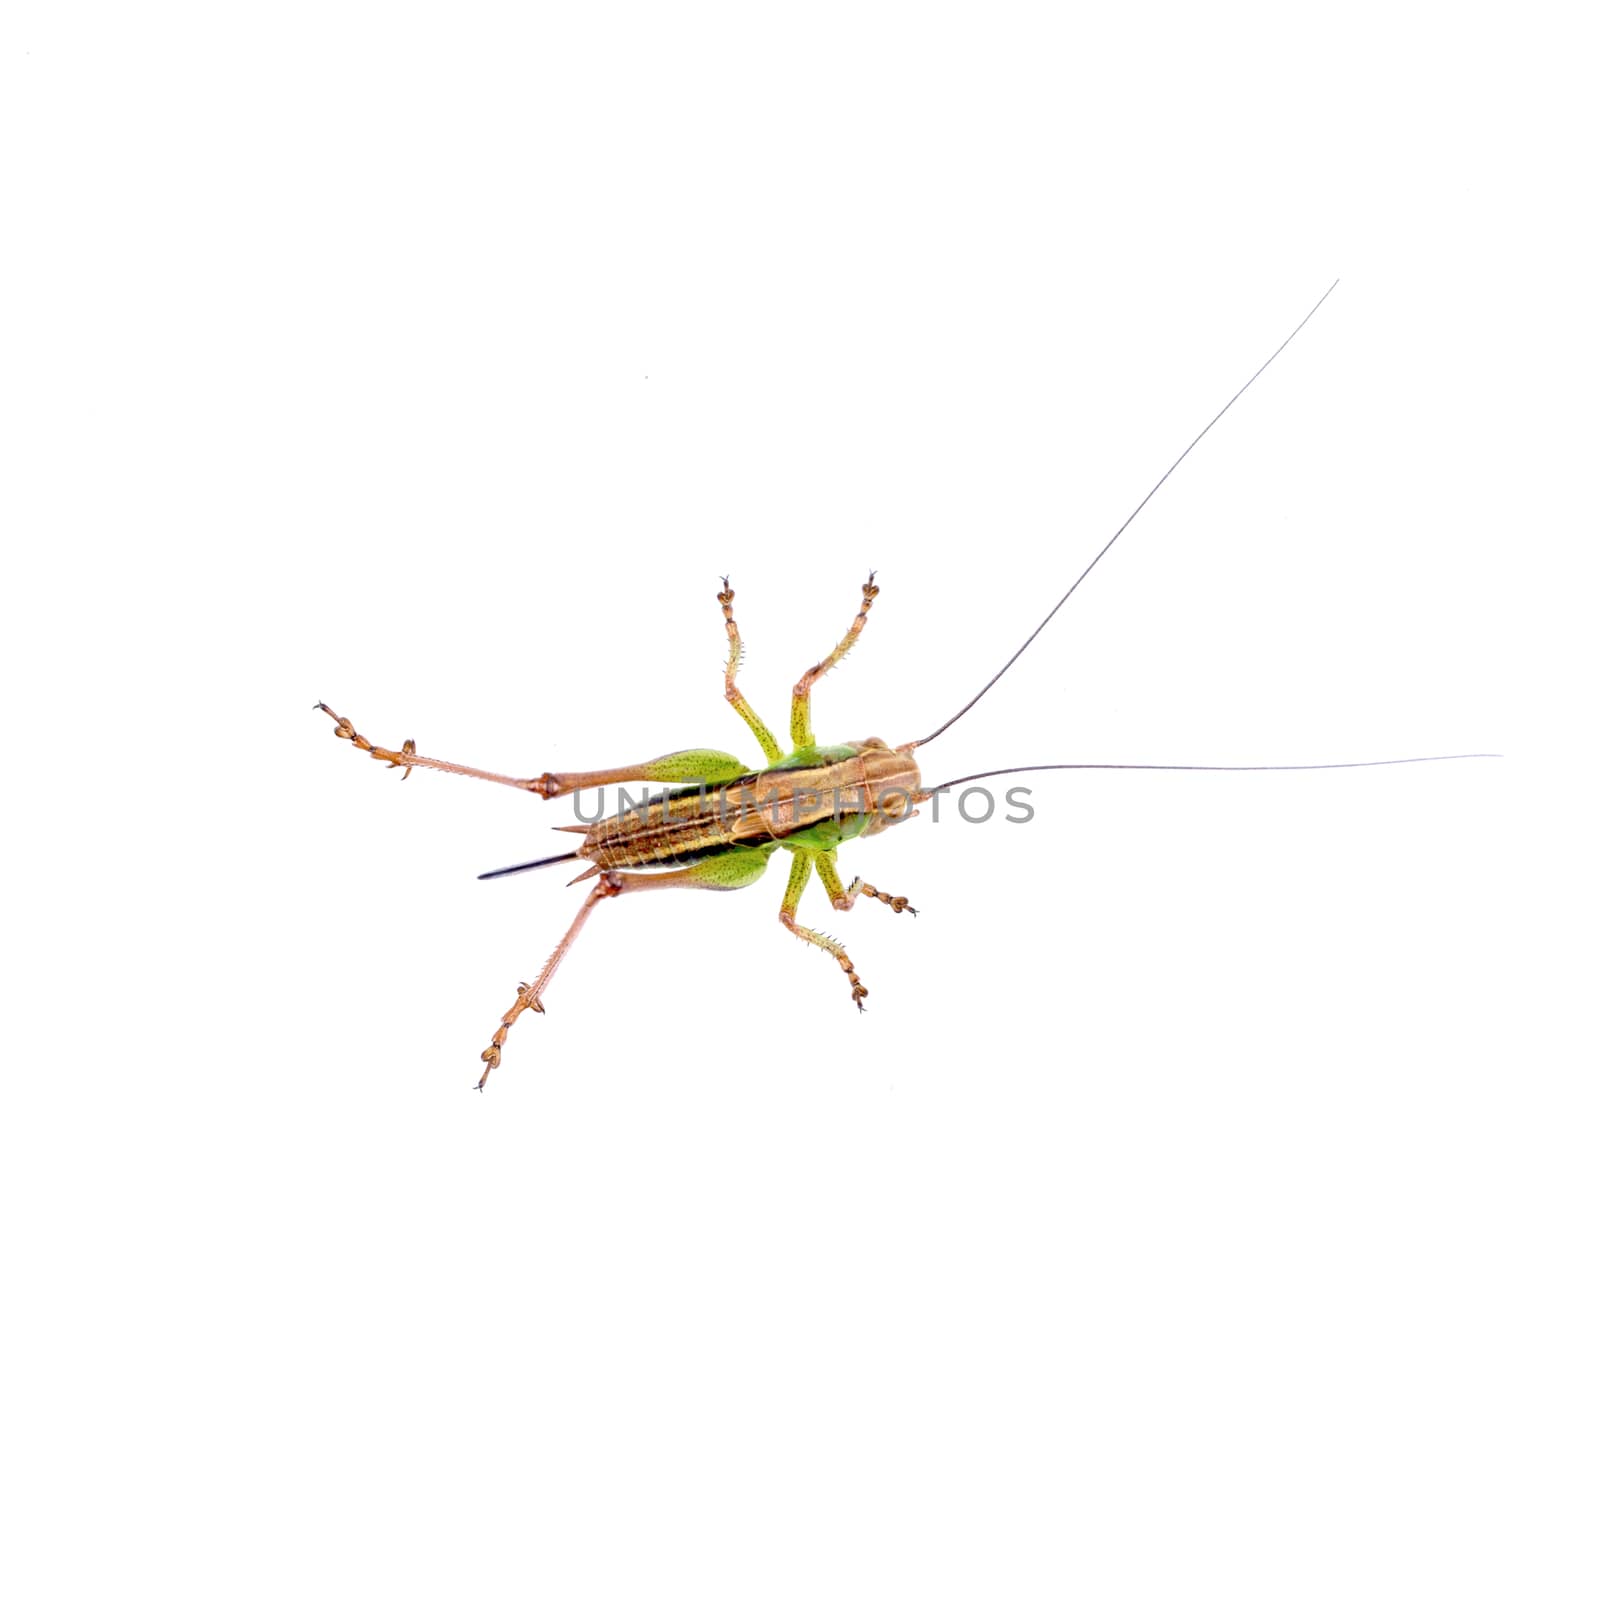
(895, 902)
(406, 756)
(681, 766)
(732, 869)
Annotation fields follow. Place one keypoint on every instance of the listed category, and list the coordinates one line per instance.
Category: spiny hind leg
(406, 756)
(800, 708)
(680, 766)
(843, 899)
(799, 876)
(731, 692)
(732, 869)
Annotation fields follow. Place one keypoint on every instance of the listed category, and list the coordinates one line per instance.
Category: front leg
(800, 706)
(843, 899)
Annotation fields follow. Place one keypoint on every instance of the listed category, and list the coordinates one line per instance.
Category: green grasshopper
(721, 821)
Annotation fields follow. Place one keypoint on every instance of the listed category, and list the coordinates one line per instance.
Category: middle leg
(799, 876)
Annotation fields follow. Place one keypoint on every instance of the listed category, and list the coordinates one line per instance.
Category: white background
(1204, 1204)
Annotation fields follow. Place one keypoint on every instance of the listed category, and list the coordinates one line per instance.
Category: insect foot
(546, 786)
(345, 729)
(491, 1057)
(527, 1000)
(858, 991)
(895, 902)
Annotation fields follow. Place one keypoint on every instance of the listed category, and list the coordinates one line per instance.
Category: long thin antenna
(528, 866)
(916, 744)
(1140, 766)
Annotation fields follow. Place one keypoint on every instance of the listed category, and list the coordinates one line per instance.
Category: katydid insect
(720, 821)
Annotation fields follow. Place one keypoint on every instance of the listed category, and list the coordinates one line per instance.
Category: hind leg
(732, 869)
